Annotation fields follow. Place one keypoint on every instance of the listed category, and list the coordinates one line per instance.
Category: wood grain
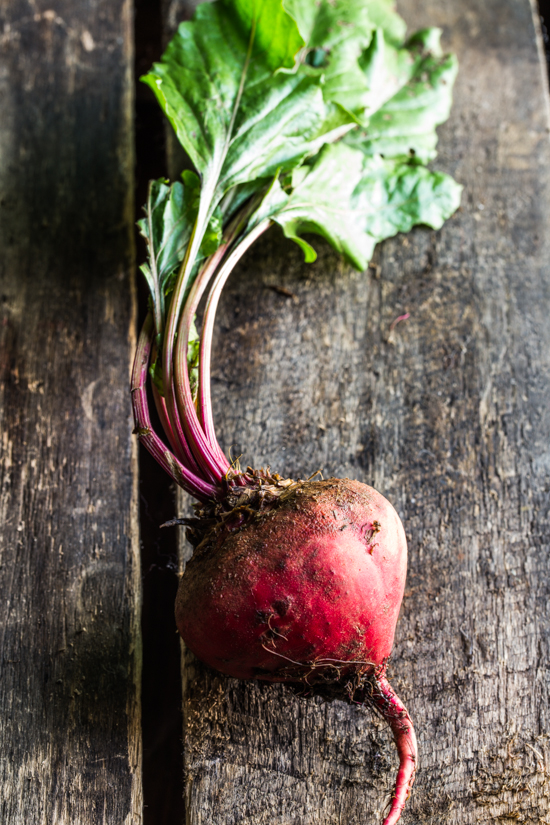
(448, 414)
(69, 573)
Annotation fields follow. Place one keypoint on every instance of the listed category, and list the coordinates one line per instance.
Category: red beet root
(305, 590)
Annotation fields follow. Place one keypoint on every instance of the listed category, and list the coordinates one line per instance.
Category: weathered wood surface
(69, 575)
(449, 416)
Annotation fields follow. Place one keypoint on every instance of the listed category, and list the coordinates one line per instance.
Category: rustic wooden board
(69, 574)
(449, 416)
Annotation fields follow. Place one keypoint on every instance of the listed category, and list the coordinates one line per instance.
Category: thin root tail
(390, 706)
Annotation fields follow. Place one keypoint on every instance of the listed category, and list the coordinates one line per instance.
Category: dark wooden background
(448, 415)
(70, 738)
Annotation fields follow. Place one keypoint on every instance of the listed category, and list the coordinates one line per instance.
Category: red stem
(172, 321)
(208, 454)
(160, 404)
(204, 446)
(390, 706)
(177, 440)
(194, 485)
(204, 397)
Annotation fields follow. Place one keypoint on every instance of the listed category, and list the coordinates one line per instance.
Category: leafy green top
(315, 114)
(255, 88)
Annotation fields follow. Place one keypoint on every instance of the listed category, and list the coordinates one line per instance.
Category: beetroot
(319, 577)
(306, 589)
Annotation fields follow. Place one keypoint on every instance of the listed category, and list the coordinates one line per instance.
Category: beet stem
(185, 456)
(390, 706)
(174, 310)
(176, 439)
(204, 397)
(181, 437)
(194, 485)
(203, 444)
(207, 452)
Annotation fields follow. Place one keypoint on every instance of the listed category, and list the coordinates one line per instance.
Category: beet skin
(320, 576)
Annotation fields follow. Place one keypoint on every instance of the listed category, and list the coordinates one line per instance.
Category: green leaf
(170, 210)
(400, 91)
(383, 16)
(336, 33)
(227, 86)
(321, 203)
(235, 115)
(386, 69)
(394, 196)
(170, 214)
(354, 201)
(411, 95)
(316, 18)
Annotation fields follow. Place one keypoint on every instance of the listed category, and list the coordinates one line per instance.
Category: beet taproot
(306, 590)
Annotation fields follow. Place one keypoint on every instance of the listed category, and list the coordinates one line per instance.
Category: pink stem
(174, 421)
(171, 326)
(390, 706)
(214, 462)
(205, 403)
(182, 438)
(160, 404)
(194, 485)
(177, 442)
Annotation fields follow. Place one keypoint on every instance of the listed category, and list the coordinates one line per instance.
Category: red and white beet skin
(306, 591)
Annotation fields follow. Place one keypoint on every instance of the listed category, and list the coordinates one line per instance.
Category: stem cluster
(194, 458)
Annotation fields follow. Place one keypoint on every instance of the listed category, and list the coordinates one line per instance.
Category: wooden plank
(449, 416)
(69, 571)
